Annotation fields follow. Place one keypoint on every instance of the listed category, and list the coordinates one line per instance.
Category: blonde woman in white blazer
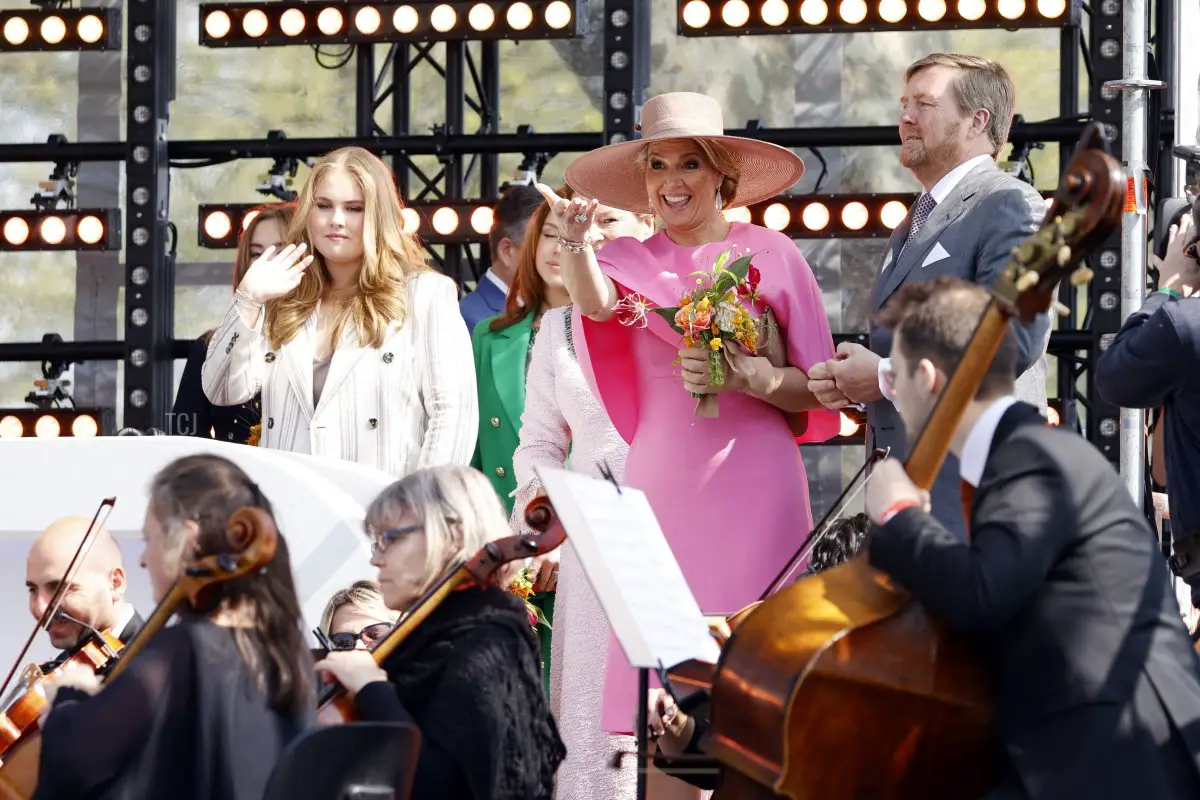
(356, 344)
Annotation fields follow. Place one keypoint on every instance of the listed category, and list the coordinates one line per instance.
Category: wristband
(895, 508)
(574, 247)
(243, 299)
(1173, 293)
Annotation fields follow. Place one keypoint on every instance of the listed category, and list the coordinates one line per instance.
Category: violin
(22, 710)
(335, 705)
(252, 537)
(840, 685)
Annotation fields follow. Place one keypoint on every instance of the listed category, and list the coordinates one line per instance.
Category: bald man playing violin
(95, 596)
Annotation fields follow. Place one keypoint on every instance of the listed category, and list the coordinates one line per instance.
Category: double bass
(841, 685)
(252, 537)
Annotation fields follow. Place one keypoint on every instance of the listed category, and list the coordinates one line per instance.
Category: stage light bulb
(16, 30)
(774, 12)
(482, 220)
(217, 25)
(330, 21)
(11, 427)
(443, 18)
(892, 10)
(248, 218)
(848, 426)
(815, 216)
(741, 214)
(90, 230)
(892, 214)
(445, 221)
(931, 10)
(814, 12)
(971, 10)
(53, 30)
(47, 427)
(776, 216)
(855, 216)
(558, 15)
(519, 16)
(292, 22)
(84, 427)
(53, 230)
(90, 29)
(405, 20)
(481, 17)
(1052, 9)
(411, 220)
(255, 23)
(217, 225)
(16, 231)
(696, 14)
(1011, 9)
(368, 20)
(735, 13)
(852, 11)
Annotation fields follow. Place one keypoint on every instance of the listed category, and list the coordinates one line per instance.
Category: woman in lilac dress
(730, 491)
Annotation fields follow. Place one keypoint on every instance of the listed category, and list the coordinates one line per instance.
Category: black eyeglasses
(370, 636)
(381, 539)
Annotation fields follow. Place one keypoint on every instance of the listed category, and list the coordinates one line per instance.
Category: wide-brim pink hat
(611, 174)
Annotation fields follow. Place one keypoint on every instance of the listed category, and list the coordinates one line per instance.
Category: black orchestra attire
(126, 635)
(193, 413)
(183, 721)
(470, 680)
(1098, 687)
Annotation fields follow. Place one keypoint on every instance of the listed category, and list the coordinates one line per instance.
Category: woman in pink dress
(730, 492)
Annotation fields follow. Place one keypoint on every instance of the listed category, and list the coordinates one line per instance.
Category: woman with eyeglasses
(469, 676)
(356, 618)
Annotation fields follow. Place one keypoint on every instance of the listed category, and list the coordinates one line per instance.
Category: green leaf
(733, 274)
(669, 315)
(721, 259)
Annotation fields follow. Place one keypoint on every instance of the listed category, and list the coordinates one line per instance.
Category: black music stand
(356, 761)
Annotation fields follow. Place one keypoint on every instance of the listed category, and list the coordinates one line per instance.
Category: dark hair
(528, 290)
(207, 489)
(936, 320)
(840, 544)
(516, 206)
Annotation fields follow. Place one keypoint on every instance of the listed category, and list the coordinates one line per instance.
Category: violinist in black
(93, 601)
(469, 676)
(205, 709)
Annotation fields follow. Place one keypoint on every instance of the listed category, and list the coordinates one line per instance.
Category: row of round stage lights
(52, 230)
(444, 221)
(53, 30)
(816, 216)
(48, 427)
(332, 22)
(736, 13)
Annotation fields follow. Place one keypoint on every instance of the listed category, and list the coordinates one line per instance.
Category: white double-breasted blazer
(408, 404)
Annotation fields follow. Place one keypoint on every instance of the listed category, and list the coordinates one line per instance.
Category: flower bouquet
(255, 435)
(721, 311)
(522, 587)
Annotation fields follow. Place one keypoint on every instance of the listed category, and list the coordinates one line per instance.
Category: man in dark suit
(511, 216)
(94, 599)
(955, 115)
(1098, 688)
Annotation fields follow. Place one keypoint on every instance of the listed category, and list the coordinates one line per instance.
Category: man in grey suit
(956, 111)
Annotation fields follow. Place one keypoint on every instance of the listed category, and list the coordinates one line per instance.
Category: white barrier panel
(319, 506)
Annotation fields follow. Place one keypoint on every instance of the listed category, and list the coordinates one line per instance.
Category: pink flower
(631, 310)
(533, 617)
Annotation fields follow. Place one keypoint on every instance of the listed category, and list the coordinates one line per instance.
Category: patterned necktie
(920, 215)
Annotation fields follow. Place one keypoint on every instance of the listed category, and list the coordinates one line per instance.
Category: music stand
(356, 761)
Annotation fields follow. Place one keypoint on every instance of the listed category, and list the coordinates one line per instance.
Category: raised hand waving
(274, 274)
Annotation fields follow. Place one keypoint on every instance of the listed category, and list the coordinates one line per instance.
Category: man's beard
(944, 154)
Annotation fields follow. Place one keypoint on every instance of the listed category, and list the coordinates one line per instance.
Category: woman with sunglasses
(469, 676)
(356, 618)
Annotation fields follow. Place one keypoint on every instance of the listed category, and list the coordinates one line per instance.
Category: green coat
(500, 358)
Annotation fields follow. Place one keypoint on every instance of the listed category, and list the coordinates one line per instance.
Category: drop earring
(720, 202)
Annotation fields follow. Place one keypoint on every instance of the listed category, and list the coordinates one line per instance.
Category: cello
(252, 537)
(842, 686)
(335, 705)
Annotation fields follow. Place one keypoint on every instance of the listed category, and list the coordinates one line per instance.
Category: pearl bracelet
(242, 299)
(574, 247)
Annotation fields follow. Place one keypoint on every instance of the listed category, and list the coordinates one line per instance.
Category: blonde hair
(389, 256)
(456, 506)
(718, 156)
(363, 595)
(978, 83)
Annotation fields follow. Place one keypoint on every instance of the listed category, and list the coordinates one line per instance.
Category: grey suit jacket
(969, 235)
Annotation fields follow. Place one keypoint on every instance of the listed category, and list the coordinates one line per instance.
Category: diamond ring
(580, 218)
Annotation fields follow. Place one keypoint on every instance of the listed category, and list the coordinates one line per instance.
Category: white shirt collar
(942, 188)
(123, 619)
(494, 278)
(979, 440)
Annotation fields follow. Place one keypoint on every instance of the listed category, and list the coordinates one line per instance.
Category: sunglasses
(369, 636)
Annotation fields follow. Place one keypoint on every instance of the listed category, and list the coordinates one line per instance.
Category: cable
(342, 60)
(1087, 59)
(824, 169)
(174, 240)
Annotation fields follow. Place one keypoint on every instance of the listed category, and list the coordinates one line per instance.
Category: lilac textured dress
(730, 493)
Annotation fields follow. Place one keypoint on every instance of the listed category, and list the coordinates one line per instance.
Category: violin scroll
(253, 537)
(541, 517)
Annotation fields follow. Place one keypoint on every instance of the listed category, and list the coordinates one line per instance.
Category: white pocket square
(887, 262)
(936, 254)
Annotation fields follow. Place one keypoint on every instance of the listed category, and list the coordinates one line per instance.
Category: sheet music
(631, 568)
